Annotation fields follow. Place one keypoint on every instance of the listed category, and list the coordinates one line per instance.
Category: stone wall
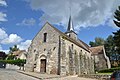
(74, 59)
(12, 66)
(48, 49)
(100, 62)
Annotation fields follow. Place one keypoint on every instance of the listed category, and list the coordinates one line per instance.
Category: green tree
(117, 34)
(117, 17)
(117, 40)
(98, 41)
(109, 46)
(92, 44)
(14, 48)
(10, 55)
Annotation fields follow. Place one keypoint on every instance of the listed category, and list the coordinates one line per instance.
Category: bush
(109, 70)
(11, 57)
(18, 62)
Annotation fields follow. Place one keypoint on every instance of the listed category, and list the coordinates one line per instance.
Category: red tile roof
(18, 52)
(97, 50)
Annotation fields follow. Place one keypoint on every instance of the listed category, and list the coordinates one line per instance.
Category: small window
(54, 48)
(69, 35)
(72, 46)
(44, 49)
(36, 56)
(45, 37)
(35, 50)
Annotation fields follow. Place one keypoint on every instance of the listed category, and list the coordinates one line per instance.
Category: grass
(104, 73)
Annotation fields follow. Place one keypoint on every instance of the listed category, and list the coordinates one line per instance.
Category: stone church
(55, 52)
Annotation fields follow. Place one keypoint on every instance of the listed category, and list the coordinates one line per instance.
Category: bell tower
(70, 30)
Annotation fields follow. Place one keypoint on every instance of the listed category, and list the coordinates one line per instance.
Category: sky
(21, 20)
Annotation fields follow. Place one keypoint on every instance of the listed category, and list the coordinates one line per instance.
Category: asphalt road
(6, 74)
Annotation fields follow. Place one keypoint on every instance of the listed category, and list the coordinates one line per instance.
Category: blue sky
(20, 20)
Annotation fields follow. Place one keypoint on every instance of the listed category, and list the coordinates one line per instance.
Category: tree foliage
(2, 55)
(117, 17)
(110, 46)
(117, 40)
(10, 56)
(18, 62)
(98, 41)
(117, 34)
(14, 48)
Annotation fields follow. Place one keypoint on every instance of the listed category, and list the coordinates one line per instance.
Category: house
(101, 59)
(55, 52)
(20, 54)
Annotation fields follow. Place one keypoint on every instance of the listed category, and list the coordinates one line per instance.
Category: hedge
(109, 70)
(19, 62)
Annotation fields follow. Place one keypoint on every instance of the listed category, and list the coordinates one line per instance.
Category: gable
(52, 34)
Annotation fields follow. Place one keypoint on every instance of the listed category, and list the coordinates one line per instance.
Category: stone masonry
(54, 52)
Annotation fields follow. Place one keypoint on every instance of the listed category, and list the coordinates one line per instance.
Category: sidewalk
(39, 75)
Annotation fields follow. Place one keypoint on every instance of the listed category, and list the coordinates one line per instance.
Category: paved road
(13, 75)
(6, 74)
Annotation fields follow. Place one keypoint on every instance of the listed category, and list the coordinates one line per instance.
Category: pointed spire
(70, 25)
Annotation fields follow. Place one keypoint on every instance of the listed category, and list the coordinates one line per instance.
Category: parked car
(115, 75)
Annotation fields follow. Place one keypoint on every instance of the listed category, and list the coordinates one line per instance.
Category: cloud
(3, 3)
(24, 45)
(12, 39)
(3, 17)
(6, 51)
(85, 13)
(6, 39)
(27, 22)
(9, 39)
(3, 34)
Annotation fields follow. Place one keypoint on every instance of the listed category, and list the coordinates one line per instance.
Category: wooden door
(43, 66)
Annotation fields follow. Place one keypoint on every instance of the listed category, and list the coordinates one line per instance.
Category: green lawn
(104, 73)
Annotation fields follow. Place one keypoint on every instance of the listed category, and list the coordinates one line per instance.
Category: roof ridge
(73, 40)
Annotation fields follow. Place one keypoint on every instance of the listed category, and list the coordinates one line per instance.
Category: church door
(43, 66)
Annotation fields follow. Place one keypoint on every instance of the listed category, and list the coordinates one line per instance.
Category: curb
(30, 75)
(39, 77)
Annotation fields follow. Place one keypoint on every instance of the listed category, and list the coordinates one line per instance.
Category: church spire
(70, 30)
(70, 25)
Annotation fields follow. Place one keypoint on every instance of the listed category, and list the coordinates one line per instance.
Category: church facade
(55, 52)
